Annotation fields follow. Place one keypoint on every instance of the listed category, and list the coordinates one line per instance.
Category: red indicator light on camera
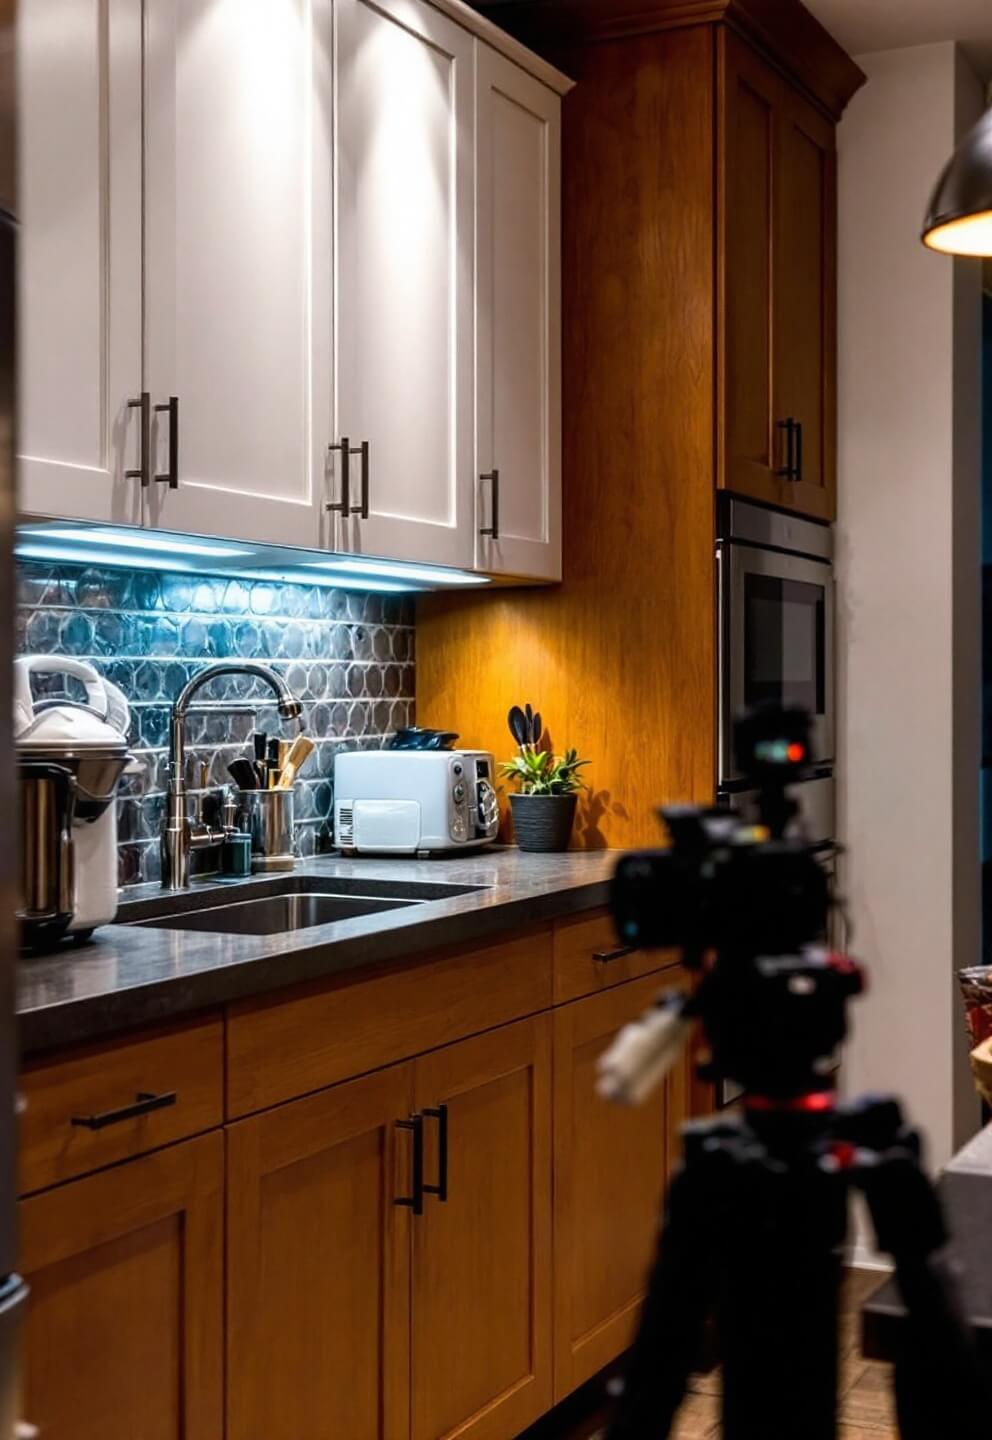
(795, 753)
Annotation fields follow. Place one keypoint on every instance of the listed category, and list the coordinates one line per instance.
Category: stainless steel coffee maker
(71, 757)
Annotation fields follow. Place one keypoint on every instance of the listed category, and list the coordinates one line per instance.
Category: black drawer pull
(144, 470)
(607, 957)
(788, 470)
(440, 1114)
(171, 476)
(144, 1104)
(492, 529)
(414, 1202)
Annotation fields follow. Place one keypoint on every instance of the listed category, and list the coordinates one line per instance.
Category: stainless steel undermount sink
(282, 905)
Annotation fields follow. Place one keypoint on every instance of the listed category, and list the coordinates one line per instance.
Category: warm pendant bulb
(959, 216)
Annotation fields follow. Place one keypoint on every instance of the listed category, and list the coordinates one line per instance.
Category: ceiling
(865, 25)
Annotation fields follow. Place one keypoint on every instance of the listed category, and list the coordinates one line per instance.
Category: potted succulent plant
(544, 805)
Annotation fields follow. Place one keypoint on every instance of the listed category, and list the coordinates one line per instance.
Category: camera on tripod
(748, 905)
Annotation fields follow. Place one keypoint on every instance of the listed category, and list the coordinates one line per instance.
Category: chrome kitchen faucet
(179, 836)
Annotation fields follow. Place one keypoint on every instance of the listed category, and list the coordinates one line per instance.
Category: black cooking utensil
(530, 724)
(242, 772)
(518, 725)
(537, 730)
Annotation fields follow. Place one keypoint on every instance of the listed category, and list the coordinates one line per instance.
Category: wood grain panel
(620, 658)
(187, 1060)
(124, 1324)
(611, 1166)
(805, 298)
(481, 1359)
(784, 29)
(587, 958)
(316, 1035)
(318, 1280)
(748, 94)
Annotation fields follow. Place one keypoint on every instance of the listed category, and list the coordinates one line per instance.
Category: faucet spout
(177, 841)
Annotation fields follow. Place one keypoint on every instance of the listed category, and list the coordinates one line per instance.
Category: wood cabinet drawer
(77, 1106)
(588, 957)
(320, 1034)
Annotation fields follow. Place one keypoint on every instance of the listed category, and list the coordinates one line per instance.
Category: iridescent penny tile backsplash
(348, 655)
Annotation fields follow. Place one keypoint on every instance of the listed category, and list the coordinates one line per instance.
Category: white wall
(908, 589)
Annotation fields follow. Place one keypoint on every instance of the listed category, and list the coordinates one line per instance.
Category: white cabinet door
(518, 301)
(79, 78)
(238, 307)
(404, 359)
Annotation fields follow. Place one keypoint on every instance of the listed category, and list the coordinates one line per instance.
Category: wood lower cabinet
(481, 1322)
(124, 1333)
(611, 1165)
(440, 1247)
(318, 1265)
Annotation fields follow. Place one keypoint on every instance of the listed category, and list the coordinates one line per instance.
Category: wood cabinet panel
(747, 97)
(318, 1274)
(776, 275)
(806, 296)
(284, 1046)
(187, 1061)
(481, 1321)
(611, 1165)
(125, 1313)
(588, 957)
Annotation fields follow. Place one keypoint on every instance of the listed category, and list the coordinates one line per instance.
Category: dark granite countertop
(132, 975)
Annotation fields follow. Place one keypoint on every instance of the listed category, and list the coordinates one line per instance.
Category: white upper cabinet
(238, 303)
(256, 229)
(518, 297)
(79, 77)
(405, 231)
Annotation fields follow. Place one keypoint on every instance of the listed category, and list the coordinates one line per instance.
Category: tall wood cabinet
(698, 302)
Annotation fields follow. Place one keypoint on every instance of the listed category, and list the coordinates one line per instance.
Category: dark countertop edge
(79, 1021)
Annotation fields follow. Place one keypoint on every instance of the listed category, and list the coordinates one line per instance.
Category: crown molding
(783, 29)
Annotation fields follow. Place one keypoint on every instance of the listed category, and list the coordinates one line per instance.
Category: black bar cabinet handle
(144, 470)
(440, 1114)
(362, 510)
(607, 957)
(798, 470)
(415, 1202)
(342, 506)
(144, 1104)
(492, 530)
(788, 470)
(171, 476)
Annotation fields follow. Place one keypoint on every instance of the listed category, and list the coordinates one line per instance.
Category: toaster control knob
(458, 793)
(456, 769)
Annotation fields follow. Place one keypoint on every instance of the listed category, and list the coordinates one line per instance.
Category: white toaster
(413, 802)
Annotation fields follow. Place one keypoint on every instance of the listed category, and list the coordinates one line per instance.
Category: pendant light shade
(959, 216)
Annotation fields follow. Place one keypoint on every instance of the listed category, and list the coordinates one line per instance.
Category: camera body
(748, 906)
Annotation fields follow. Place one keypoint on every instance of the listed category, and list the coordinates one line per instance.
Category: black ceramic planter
(543, 823)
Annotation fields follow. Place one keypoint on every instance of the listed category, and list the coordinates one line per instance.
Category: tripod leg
(778, 1308)
(669, 1338)
(940, 1391)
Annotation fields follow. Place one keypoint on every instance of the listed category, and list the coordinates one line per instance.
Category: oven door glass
(784, 636)
(776, 642)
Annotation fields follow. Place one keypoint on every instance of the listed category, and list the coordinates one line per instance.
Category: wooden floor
(866, 1406)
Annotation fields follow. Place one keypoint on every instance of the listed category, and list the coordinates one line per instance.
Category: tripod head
(747, 905)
